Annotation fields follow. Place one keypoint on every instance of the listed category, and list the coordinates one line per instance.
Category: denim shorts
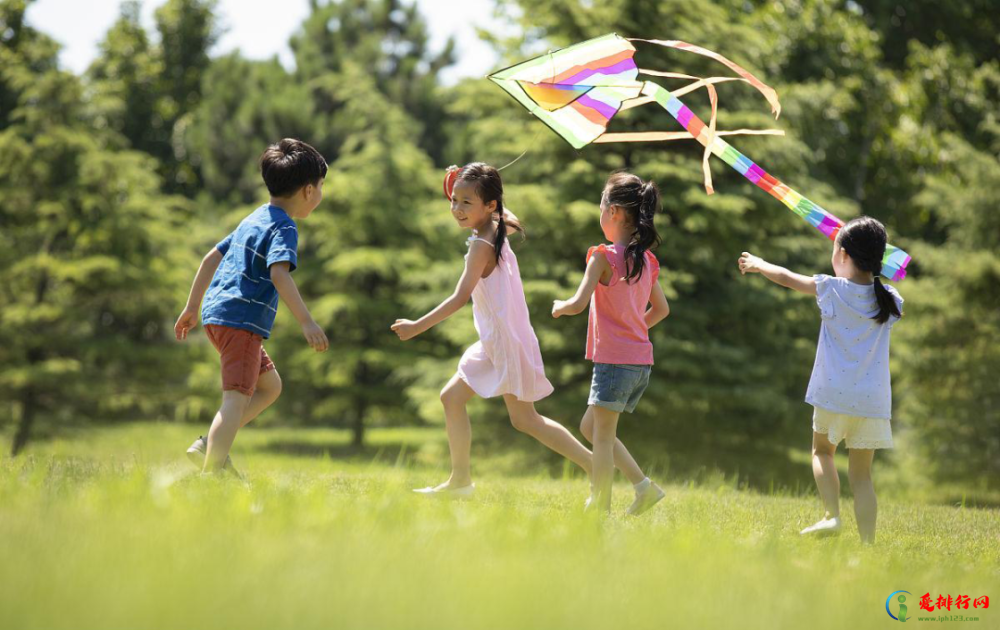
(618, 387)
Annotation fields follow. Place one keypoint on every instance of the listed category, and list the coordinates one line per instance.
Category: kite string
(531, 144)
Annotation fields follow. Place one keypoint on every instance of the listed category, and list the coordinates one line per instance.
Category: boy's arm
(659, 308)
(475, 265)
(189, 316)
(281, 276)
(778, 275)
(597, 266)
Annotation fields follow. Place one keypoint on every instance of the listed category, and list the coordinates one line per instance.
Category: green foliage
(146, 92)
(91, 266)
(388, 39)
(125, 95)
(245, 106)
(889, 110)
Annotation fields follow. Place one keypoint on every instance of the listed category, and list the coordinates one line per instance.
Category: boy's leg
(243, 367)
(227, 422)
(825, 473)
(859, 472)
(623, 459)
(526, 419)
(268, 390)
(455, 396)
(605, 427)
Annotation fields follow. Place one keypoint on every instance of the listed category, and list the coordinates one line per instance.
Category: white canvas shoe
(646, 499)
(825, 527)
(446, 492)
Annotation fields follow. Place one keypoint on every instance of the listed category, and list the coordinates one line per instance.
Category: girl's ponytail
(507, 221)
(864, 239)
(886, 303)
(641, 201)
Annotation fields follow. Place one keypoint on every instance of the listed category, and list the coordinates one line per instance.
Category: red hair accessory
(450, 177)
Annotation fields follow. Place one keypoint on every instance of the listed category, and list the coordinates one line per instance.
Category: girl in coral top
(619, 283)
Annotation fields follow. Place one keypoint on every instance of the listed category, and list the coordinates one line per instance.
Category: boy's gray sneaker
(197, 451)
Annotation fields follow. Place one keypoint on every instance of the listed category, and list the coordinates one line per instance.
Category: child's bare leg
(605, 427)
(623, 459)
(268, 390)
(455, 396)
(224, 428)
(859, 472)
(825, 472)
(526, 419)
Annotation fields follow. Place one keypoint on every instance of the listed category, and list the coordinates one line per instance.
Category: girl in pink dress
(619, 283)
(506, 360)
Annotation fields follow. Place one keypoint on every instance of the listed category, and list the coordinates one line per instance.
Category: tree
(245, 106)
(390, 40)
(356, 247)
(87, 253)
(124, 85)
(147, 92)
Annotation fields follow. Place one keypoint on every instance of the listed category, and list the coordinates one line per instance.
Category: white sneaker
(646, 499)
(447, 492)
(825, 527)
(197, 451)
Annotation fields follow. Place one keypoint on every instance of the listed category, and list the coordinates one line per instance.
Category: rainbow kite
(576, 91)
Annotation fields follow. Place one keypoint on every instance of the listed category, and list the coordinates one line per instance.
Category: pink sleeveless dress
(506, 359)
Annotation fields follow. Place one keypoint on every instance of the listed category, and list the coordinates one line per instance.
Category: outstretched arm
(475, 265)
(188, 318)
(778, 275)
(658, 307)
(597, 267)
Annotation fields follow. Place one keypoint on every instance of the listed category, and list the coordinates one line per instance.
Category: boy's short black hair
(289, 165)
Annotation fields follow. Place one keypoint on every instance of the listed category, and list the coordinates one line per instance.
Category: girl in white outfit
(849, 389)
(506, 360)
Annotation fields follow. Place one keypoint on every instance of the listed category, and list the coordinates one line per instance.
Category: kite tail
(893, 263)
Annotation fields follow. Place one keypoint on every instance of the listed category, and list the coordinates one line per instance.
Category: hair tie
(450, 177)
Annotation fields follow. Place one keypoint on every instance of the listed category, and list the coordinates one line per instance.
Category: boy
(248, 270)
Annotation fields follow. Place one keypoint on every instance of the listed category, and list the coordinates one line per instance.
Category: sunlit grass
(112, 529)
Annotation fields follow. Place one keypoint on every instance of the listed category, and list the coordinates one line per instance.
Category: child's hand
(560, 307)
(750, 263)
(187, 320)
(315, 336)
(405, 329)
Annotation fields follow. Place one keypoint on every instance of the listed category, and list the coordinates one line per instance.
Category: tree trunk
(24, 426)
(29, 398)
(360, 406)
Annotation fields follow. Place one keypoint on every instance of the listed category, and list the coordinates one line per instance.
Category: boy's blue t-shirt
(241, 294)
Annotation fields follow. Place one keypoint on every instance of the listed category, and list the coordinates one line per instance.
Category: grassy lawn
(110, 528)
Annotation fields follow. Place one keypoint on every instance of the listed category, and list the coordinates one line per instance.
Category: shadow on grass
(502, 451)
(335, 449)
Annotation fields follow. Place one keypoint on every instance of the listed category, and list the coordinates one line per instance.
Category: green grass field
(110, 528)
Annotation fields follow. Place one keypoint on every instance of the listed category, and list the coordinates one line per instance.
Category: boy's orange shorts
(243, 357)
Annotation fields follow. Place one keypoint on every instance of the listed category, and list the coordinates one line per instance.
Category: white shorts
(856, 431)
